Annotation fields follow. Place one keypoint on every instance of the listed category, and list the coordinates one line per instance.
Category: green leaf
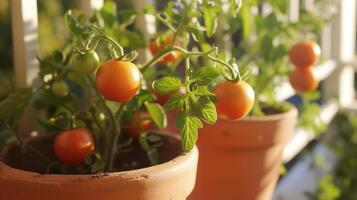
(207, 75)
(193, 13)
(203, 108)
(157, 113)
(72, 23)
(149, 9)
(14, 105)
(234, 7)
(246, 19)
(188, 126)
(153, 156)
(175, 102)
(109, 13)
(203, 91)
(167, 84)
(210, 15)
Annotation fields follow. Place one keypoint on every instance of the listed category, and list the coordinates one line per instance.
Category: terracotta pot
(241, 159)
(174, 179)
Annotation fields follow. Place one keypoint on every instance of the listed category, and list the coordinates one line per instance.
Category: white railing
(338, 41)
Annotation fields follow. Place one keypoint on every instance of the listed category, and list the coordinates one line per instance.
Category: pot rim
(184, 159)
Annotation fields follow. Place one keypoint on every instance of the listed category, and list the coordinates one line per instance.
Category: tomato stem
(115, 132)
(115, 137)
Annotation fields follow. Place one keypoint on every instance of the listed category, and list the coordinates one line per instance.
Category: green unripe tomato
(60, 88)
(87, 62)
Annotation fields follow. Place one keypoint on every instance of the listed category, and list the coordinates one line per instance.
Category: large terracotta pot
(174, 179)
(240, 160)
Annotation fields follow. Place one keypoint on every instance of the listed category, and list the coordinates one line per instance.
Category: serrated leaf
(203, 108)
(202, 91)
(188, 126)
(157, 113)
(207, 75)
(174, 102)
(72, 23)
(169, 84)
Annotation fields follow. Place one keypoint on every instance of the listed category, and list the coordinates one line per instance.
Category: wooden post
(25, 40)
(146, 24)
(294, 10)
(87, 6)
(341, 83)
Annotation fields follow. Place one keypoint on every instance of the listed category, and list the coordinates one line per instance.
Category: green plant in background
(80, 105)
(262, 41)
(341, 181)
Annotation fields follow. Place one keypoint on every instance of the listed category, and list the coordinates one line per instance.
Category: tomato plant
(86, 62)
(104, 103)
(73, 146)
(118, 80)
(234, 100)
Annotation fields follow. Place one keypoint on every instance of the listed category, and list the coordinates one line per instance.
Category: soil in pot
(173, 179)
(131, 159)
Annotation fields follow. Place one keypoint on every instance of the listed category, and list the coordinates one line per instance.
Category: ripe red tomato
(118, 80)
(87, 62)
(303, 80)
(73, 146)
(60, 88)
(234, 100)
(305, 54)
(132, 127)
(155, 47)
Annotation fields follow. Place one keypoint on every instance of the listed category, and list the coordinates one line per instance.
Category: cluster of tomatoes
(119, 81)
(304, 55)
(116, 80)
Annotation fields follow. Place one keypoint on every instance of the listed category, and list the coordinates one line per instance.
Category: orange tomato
(155, 47)
(132, 127)
(303, 80)
(305, 54)
(234, 100)
(118, 80)
(73, 146)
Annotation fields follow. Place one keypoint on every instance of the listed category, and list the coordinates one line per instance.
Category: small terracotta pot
(241, 159)
(174, 179)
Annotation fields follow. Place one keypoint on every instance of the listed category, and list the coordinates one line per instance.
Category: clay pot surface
(174, 179)
(241, 159)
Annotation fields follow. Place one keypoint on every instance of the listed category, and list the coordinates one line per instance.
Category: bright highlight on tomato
(60, 88)
(155, 47)
(303, 80)
(73, 146)
(118, 80)
(234, 100)
(132, 127)
(305, 54)
(87, 62)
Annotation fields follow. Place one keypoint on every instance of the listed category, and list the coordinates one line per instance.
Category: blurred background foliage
(340, 182)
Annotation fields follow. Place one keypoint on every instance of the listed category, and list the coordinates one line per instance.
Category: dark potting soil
(135, 158)
(277, 109)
